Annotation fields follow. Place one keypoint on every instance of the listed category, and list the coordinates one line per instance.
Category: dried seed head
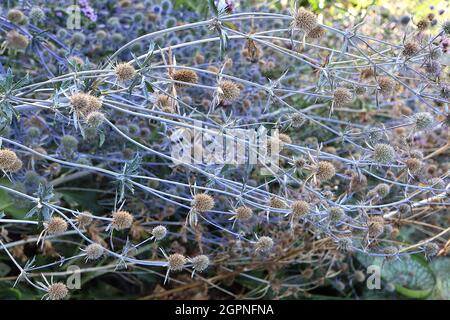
(277, 203)
(284, 138)
(342, 96)
(264, 244)
(376, 226)
(243, 213)
(124, 72)
(386, 85)
(304, 20)
(433, 68)
(37, 14)
(95, 119)
(324, 170)
(229, 90)
(410, 48)
(200, 263)
(446, 27)
(15, 15)
(335, 214)
(184, 75)
(121, 220)
(56, 225)
(316, 33)
(382, 190)
(344, 244)
(57, 291)
(94, 251)
(383, 153)
(430, 249)
(84, 219)
(414, 165)
(202, 202)
(391, 252)
(69, 142)
(297, 120)
(300, 207)
(8, 159)
(176, 262)
(422, 25)
(159, 232)
(84, 103)
(15, 40)
(16, 166)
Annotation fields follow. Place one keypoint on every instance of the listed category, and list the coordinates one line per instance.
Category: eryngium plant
(89, 118)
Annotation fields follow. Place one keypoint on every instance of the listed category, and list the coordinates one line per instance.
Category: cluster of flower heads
(89, 116)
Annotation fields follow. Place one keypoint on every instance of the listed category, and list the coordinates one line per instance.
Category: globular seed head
(264, 244)
(342, 96)
(176, 262)
(8, 159)
(15, 40)
(15, 166)
(382, 190)
(297, 120)
(422, 25)
(84, 219)
(229, 90)
(101, 34)
(300, 208)
(84, 103)
(446, 27)
(405, 19)
(376, 226)
(69, 142)
(324, 170)
(94, 251)
(335, 214)
(95, 119)
(390, 252)
(430, 249)
(386, 85)
(344, 244)
(56, 225)
(276, 202)
(433, 68)
(414, 165)
(284, 138)
(57, 291)
(15, 16)
(404, 210)
(78, 38)
(200, 263)
(243, 213)
(124, 72)
(202, 202)
(184, 75)
(122, 220)
(304, 20)
(383, 153)
(159, 232)
(37, 14)
(316, 33)
(410, 48)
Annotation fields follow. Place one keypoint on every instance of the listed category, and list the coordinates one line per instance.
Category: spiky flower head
(200, 263)
(69, 142)
(430, 249)
(324, 170)
(124, 71)
(386, 85)
(94, 251)
(304, 20)
(335, 214)
(376, 226)
(187, 76)
(300, 208)
(37, 14)
(316, 33)
(382, 190)
(159, 232)
(122, 220)
(344, 244)
(423, 120)
(342, 96)
(414, 165)
(176, 262)
(390, 252)
(243, 213)
(84, 219)
(9, 161)
(95, 119)
(84, 103)
(410, 48)
(15, 16)
(433, 68)
(383, 153)
(446, 27)
(15, 40)
(276, 202)
(202, 202)
(264, 244)
(422, 25)
(229, 90)
(57, 291)
(56, 225)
